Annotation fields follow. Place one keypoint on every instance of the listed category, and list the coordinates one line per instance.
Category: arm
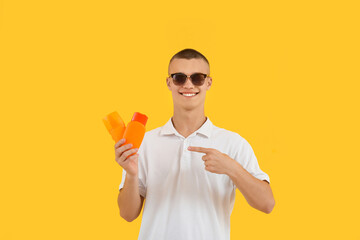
(256, 192)
(129, 199)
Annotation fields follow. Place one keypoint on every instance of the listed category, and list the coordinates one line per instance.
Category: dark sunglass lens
(179, 79)
(198, 79)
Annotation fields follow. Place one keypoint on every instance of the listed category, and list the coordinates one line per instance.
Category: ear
(168, 83)
(209, 83)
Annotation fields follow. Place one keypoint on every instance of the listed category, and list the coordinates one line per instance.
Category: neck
(188, 121)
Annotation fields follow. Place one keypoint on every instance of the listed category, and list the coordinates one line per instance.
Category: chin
(189, 107)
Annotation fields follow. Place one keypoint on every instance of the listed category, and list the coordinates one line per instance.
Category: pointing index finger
(199, 149)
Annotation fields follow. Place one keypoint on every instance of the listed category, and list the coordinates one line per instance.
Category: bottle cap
(142, 118)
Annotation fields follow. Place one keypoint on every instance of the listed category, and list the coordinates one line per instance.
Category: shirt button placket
(186, 153)
(182, 153)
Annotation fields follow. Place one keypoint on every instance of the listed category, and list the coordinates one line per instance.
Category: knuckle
(123, 154)
(122, 159)
(129, 152)
(118, 151)
(126, 154)
(134, 150)
(125, 147)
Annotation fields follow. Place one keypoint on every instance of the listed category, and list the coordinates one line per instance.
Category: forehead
(188, 66)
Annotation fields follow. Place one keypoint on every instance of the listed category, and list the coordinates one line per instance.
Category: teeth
(188, 94)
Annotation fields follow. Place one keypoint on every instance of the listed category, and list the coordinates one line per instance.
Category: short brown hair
(189, 53)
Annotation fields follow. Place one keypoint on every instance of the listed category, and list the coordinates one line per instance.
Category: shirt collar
(205, 129)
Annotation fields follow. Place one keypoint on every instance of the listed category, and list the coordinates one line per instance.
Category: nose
(188, 83)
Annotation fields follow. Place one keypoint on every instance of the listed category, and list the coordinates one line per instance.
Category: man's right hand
(122, 153)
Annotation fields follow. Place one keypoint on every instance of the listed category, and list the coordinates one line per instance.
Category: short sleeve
(141, 174)
(122, 179)
(246, 157)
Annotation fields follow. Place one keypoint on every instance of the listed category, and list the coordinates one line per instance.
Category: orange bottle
(135, 130)
(115, 125)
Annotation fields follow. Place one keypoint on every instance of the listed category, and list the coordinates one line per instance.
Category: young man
(188, 169)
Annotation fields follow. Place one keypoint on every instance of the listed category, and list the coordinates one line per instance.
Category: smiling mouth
(189, 94)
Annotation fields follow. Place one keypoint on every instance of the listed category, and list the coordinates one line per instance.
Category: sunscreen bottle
(115, 125)
(135, 130)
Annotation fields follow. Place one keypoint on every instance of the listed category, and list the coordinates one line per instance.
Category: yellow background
(285, 77)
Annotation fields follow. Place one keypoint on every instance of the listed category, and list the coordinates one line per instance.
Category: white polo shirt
(183, 200)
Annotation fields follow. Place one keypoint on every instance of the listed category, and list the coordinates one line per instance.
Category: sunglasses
(197, 79)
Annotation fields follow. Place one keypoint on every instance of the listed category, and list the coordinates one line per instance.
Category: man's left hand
(214, 160)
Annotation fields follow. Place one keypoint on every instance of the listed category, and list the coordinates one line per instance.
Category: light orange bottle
(135, 130)
(115, 125)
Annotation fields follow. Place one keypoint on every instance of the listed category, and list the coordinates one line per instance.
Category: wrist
(131, 176)
(235, 169)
